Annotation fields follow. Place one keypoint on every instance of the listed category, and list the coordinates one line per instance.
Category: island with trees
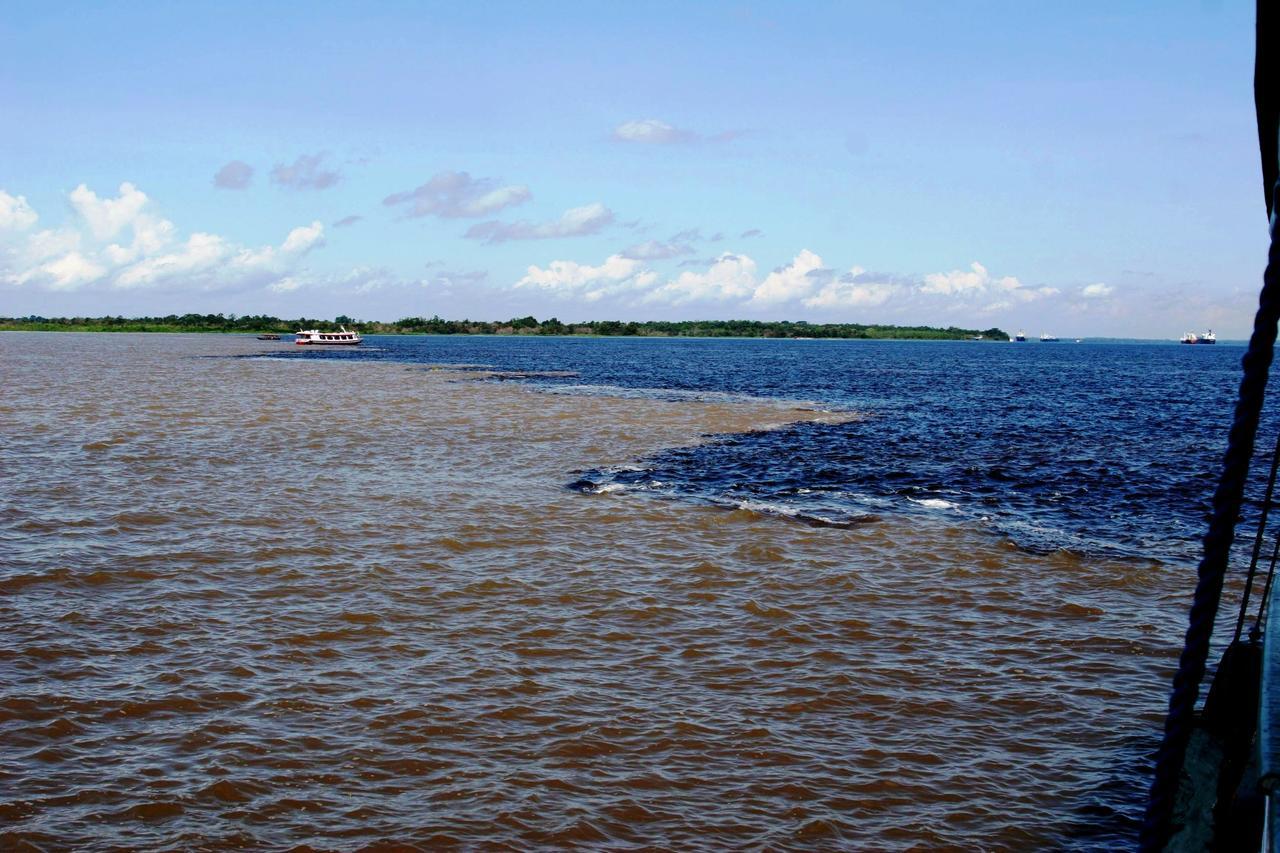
(261, 323)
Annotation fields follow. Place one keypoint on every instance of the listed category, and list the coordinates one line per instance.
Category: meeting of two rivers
(547, 591)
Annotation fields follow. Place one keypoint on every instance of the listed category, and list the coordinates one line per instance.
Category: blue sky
(1076, 168)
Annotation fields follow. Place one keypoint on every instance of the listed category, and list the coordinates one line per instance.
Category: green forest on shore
(261, 323)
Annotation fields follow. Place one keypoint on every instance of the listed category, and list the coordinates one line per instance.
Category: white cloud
(977, 281)
(497, 199)
(453, 195)
(304, 238)
(107, 217)
(733, 282)
(196, 257)
(15, 213)
(575, 222)
(957, 282)
(358, 280)
(150, 235)
(566, 278)
(50, 242)
(790, 282)
(730, 277)
(652, 131)
(85, 253)
(65, 273)
(1097, 291)
(448, 280)
(855, 289)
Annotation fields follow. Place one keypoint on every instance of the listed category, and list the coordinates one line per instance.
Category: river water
(539, 593)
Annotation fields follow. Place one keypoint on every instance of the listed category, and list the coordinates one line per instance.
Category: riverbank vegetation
(260, 323)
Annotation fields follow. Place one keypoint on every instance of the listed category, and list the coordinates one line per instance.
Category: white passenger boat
(318, 338)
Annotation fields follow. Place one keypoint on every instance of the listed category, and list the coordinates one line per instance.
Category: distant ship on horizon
(1021, 336)
(1046, 338)
(1207, 338)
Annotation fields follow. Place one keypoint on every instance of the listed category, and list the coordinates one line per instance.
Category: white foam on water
(933, 503)
(765, 508)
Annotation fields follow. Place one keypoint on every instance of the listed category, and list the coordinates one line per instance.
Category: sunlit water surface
(340, 601)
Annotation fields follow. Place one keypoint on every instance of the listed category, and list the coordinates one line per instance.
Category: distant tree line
(260, 323)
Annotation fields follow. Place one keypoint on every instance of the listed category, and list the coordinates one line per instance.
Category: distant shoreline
(516, 327)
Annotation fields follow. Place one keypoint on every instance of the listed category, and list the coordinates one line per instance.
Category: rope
(1255, 633)
(1257, 542)
(1217, 547)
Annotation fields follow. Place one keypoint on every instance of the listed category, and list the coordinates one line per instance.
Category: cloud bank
(117, 243)
(733, 281)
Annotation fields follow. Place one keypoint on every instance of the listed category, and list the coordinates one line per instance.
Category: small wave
(765, 508)
(591, 487)
(839, 520)
(154, 811)
(230, 791)
(933, 503)
(13, 583)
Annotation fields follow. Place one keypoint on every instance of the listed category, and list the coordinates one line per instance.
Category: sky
(1080, 169)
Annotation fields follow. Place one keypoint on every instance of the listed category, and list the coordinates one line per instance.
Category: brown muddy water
(260, 604)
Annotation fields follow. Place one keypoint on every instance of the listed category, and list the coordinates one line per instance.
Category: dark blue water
(1100, 448)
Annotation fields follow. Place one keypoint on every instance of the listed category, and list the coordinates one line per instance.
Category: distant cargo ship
(1207, 338)
(1047, 338)
(1020, 337)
